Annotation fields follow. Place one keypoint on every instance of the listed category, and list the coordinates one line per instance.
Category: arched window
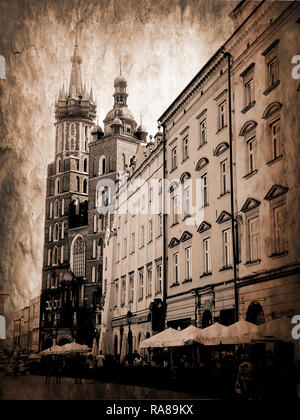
(55, 256)
(95, 223)
(63, 230)
(56, 232)
(50, 233)
(58, 165)
(78, 256)
(84, 186)
(77, 184)
(76, 204)
(85, 165)
(48, 284)
(93, 274)
(57, 186)
(56, 208)
(102, 165)
(49, 256)
(206, 318)
(255, 313)
(62, 254)
(85, 138)
(50, 210)
(94, 249)
(100, 248)
(62, 206)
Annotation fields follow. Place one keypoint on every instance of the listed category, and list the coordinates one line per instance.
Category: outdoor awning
(191, 334)
(240, 332)
(279, 329)
(211, 336)
(167, 338)
(66, 349)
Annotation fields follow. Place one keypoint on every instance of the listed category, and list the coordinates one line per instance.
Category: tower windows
(85, 165)
(78, 256)
(50, 210)
(93, 274)
(58, 165)
(57, 186)
(77, 184)
(94, 249)
(85, 186)
(56, 208)
(50, 233)
(102, 165)
(56, 232)
(55, 256)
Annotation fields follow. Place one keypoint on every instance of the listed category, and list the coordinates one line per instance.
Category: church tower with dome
(111, 150)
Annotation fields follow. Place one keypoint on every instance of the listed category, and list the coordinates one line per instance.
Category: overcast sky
(162, 44)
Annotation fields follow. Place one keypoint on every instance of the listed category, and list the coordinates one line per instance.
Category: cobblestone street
(35, 388)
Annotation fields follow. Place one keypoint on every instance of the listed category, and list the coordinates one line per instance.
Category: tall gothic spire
(75, 88)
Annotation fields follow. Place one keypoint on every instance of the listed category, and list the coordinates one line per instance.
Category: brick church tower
(111, 151)
(63, 305)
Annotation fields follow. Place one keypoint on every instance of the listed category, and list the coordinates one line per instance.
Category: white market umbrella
(240, 332)
(167, 338)
(211, 336)
(279, 329)
(190, 334)
(51, 351)
(74, 348)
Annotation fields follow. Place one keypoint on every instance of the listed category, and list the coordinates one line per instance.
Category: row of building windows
(59, 165)
(142, 238)
(126, 292)
(55, 256)
(56, 208)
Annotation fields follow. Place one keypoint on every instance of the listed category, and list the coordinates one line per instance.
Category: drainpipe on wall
(165, 271)
(233, 227)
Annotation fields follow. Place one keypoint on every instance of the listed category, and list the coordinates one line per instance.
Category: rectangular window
(131, 288)
(249, 92)
(176, 268)
(141, 285)
(207, 255)
(187, 201)
(253, 239)
(275, 139)
(203, 132)
(158, 278)
(149, 281)
(204, 189)
(186, 147)
(132, 242)
(159, 225)
(175, 210)
(226, 248)
(222, 115)
(251, 152)
(118, 252)
(188, 263)
(150, 232)
(174, 158)
(123, 290)
(280, 231)
(117, 293)
(272, 71)
(224, 177)
(142, 236)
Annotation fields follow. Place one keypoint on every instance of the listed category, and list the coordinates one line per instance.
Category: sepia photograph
(150, 202)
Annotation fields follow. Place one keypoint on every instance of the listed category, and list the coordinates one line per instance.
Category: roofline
(210, 60)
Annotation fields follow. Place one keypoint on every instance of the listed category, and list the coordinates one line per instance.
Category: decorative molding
(183, 131)
(173, 186)
(271, 109)
(250, 203)
(248, 127)
(267, 50)
(184, 176)
(185, 236)
(223, 217)
(276, 191)
(221, 148)
(201, 164)
(204, 226)
(174, 242)
(248, 69)
(221, 94)
(201, 114)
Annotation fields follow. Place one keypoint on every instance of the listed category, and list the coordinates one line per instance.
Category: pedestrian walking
(48, 369)
(245, 383)
(78, 368)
